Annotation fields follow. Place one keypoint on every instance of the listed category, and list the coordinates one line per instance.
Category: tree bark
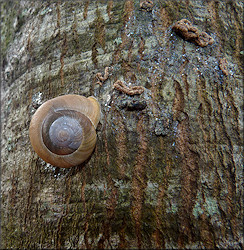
(167, 168)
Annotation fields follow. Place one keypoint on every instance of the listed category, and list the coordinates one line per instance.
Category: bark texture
(167, 168)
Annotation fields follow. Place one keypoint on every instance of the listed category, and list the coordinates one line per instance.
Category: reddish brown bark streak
(121, 140)
(139, 182)
(64, 49)
(86, 4)
(189, 168)
(111, 202)
(160, 209)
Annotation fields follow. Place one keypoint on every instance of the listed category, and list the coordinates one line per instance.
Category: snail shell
(63, 129)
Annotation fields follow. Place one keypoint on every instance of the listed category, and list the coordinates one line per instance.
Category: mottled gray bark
(167, 168)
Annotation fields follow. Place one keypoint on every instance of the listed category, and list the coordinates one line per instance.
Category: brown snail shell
(63, 129)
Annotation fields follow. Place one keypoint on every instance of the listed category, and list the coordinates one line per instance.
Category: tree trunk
(167, 168)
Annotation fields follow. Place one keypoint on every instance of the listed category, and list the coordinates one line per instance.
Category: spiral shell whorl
(63, 129)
